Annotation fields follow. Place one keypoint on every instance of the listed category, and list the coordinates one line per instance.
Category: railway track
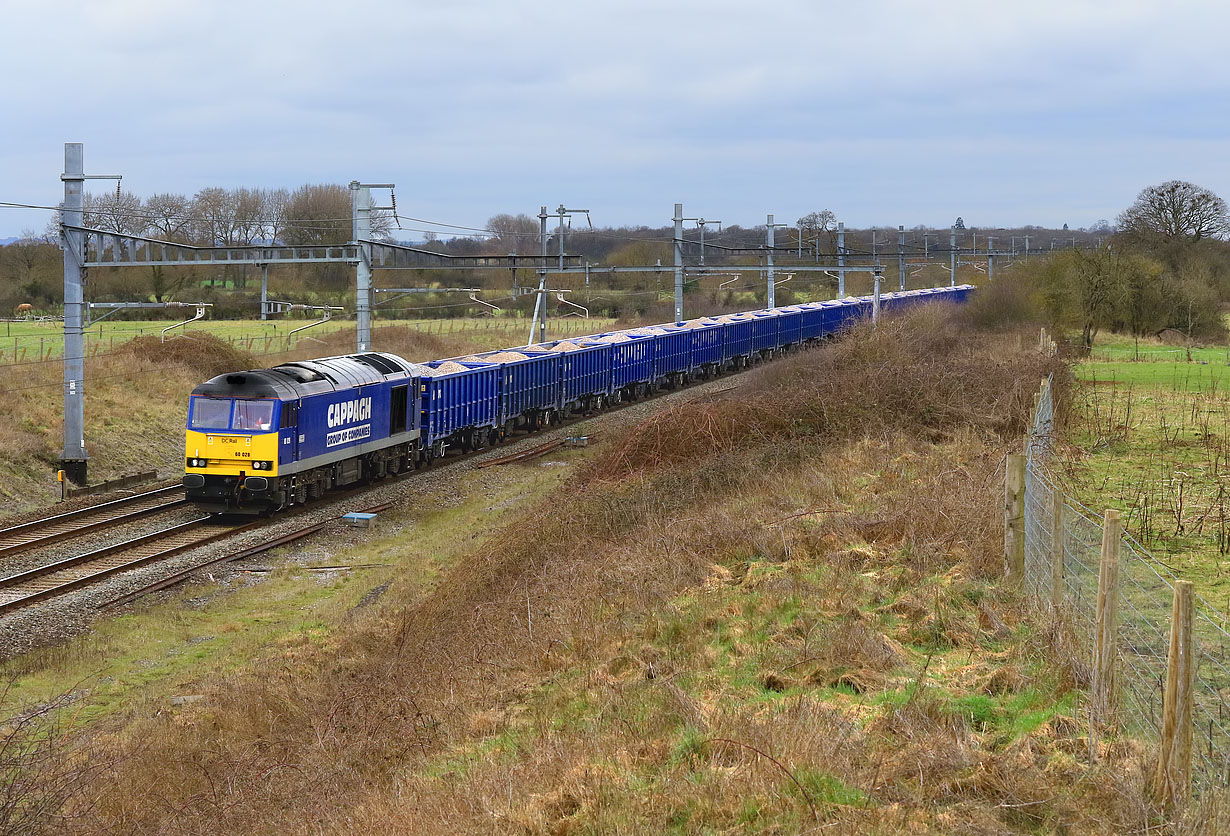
(37, 533)
(36, 585)
(45, 582)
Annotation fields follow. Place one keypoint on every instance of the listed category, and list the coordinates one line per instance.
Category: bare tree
(122, 213)
(1176, 211)
(277, 202)
(249, 224)
(318, 214)
(513, 233)
(815, 224)
(213, 215)
(168, 216)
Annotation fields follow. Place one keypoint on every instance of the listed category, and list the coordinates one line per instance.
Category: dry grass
(792, 625)
(922, 374)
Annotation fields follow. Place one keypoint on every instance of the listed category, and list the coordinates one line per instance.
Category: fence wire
(1146, 589)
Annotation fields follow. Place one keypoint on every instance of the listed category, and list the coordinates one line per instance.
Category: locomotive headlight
(262, 465)
(196, 462)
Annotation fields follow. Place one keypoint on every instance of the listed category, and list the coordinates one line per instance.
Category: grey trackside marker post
(679, 261)
(901, 255)
(990, 258)
(841, 260)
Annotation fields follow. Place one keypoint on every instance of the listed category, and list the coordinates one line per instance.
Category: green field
(1152, 439)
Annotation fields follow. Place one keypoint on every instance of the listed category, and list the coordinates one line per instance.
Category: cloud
(873, 110)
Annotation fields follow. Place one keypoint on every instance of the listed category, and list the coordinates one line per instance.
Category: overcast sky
(885, 112)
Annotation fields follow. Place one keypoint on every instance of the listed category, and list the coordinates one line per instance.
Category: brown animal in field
(25, 308)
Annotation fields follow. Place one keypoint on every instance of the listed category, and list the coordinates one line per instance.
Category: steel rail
(250, 551)
(38, 577)
(25, 536)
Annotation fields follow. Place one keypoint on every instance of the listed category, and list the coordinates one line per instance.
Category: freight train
(266, 439)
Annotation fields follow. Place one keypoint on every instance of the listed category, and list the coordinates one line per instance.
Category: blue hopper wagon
(631, 362)
(705, 344)
(461, 405)
(529, 387)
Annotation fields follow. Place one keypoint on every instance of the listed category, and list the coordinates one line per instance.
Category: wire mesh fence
(1063, 546)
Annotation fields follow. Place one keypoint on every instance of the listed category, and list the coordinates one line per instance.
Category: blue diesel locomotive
(266, 439)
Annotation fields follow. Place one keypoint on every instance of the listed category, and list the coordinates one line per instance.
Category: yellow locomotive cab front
(225, 454)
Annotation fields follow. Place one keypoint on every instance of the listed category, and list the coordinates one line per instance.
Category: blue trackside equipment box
(458, 396)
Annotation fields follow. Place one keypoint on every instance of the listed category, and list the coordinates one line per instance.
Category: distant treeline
(31, 269)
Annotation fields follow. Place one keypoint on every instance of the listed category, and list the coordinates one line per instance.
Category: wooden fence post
(1172, 781)
(1107, 626)
(1014, 519)
(1058, 543)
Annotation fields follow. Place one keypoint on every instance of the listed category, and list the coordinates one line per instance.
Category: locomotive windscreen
(223, 413)
(210, 413)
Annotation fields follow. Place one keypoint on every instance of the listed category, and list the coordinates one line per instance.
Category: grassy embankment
(734, 619)
(1151, 437)
(137, 395)
(26, 342)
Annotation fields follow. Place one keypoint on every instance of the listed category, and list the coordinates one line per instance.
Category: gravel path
(70, 614)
